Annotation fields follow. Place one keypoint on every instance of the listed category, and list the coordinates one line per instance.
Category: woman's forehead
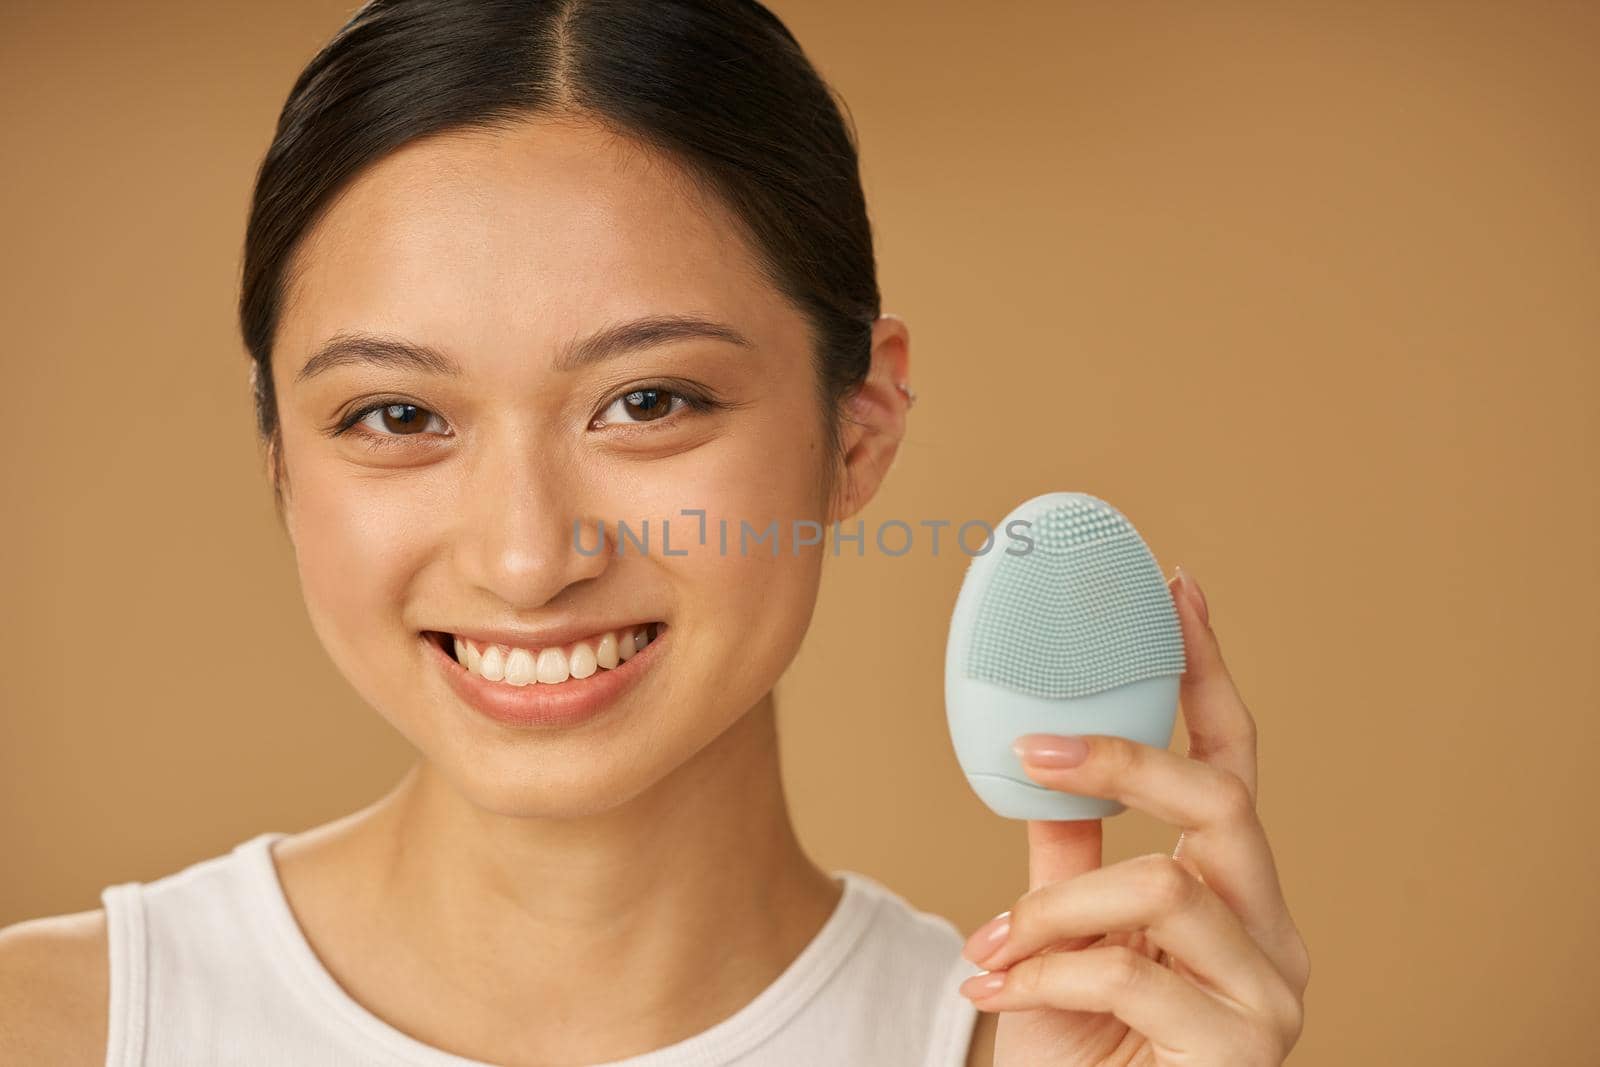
(541, 229)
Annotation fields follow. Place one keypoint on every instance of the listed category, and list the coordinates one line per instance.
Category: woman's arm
(54, 989)
(981, 1052)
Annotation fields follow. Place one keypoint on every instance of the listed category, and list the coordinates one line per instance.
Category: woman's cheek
(734, 569)
(355, 545)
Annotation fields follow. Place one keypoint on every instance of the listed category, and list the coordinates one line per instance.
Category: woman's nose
(523, 520)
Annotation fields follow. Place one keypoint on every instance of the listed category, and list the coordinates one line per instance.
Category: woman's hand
(1187, 959)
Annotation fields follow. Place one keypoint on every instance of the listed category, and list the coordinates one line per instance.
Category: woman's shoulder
(911, 969)
(931, 933)
(54, 984)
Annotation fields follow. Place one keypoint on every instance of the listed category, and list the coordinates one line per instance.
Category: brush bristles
(1085, 610)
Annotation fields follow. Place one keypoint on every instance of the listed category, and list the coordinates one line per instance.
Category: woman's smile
(520, 662)
(554, 686)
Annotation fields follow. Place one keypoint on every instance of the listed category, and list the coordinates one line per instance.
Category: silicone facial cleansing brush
(1064, 626)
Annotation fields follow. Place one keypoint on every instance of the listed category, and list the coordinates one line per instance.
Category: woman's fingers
(1222, 732)
(1189, 1023)
(1227, 844)
(1151, 893)
(1059, 851)
(1159, 782)
(1209, 795)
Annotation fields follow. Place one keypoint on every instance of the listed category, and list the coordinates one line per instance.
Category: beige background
(1308, 291)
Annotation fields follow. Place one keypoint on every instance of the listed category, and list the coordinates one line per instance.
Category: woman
(518, 275)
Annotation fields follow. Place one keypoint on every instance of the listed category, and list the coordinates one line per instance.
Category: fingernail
(981, 985)
(1050, 750)
(1192, 589)
(987, 938)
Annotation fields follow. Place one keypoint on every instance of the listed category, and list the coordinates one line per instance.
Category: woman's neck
(576, 940)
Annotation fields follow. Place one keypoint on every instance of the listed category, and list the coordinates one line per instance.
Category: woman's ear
(874, 419)
(277, 481)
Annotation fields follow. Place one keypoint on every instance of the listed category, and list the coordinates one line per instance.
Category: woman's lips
(565, 703)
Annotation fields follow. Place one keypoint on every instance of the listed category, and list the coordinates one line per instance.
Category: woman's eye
(651, 404)
(391, 420)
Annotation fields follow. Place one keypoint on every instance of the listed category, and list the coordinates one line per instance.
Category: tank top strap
(126, 942)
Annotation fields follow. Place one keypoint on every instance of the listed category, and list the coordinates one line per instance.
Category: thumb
(1062, 849)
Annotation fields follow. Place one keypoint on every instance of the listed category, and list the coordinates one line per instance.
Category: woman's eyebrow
(347, 348)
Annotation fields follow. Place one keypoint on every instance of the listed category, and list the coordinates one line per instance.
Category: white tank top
(209, 966)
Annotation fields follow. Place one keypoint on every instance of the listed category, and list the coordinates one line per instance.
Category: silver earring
(911, 398)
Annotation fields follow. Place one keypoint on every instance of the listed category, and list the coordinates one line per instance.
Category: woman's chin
(522, 790)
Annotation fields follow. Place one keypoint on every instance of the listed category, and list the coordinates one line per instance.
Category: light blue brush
(1064, 626)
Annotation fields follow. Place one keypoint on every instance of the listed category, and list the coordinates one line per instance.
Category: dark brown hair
(720, 87)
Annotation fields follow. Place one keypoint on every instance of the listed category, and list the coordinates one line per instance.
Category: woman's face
(501, 251)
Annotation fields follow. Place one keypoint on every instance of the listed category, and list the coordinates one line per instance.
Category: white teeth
(552, 666)
(519, 667)
(493, 666)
